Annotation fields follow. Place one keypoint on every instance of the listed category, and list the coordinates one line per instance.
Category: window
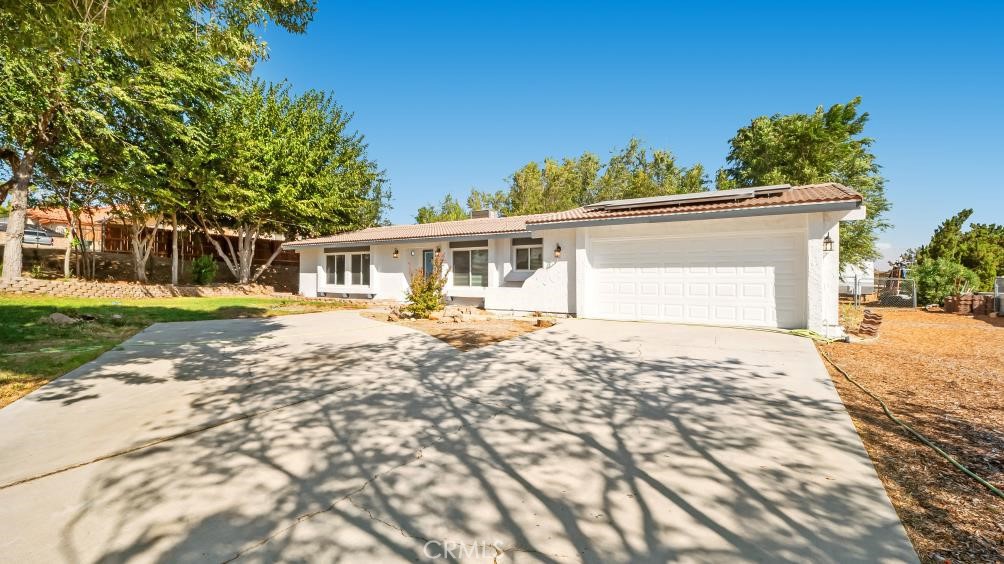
(358, 271)
(529, 258)
(361, 270)
(470, 267)
(335, 269)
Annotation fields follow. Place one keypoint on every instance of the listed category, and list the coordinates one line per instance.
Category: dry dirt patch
(944, 375)
(465, 335)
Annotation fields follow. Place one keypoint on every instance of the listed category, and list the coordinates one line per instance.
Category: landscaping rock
(393, 316)
(61, 319)
(544, 323)
(435, 315)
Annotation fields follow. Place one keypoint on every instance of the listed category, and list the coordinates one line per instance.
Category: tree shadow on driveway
(554, 447)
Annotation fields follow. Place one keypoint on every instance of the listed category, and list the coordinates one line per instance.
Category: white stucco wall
(308, 271)
(563, 285)
(550, 289)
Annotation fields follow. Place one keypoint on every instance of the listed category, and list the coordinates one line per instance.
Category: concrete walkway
(330, 437)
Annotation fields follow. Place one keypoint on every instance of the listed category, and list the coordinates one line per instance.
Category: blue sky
(451, 95)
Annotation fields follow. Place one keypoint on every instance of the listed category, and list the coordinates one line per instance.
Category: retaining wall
(121, 290)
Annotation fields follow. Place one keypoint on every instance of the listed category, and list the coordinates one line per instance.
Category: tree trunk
(12, 253)
(67, 253)
(138, 261)
(268, 263)
(174, 248)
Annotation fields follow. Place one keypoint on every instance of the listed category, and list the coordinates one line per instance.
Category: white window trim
(348, 270)
(515, 268)
(452, 273)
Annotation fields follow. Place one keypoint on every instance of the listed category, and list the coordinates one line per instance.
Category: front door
(428, 261)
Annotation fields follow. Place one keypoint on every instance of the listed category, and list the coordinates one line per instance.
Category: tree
(449, 210)
(631, 173)
(61, 79)
(939, 278)
(281, 164)
(826, 146)
(570, 182)
(947, 239)
(981, 249)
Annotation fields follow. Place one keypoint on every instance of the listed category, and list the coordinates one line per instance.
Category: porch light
(557, 251)
(827, 243)
(413, 252)
(438, 251)
(396, 253)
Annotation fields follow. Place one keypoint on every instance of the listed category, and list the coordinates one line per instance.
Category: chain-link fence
(880, 291)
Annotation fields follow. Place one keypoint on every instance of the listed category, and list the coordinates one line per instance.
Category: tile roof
(808, 194)
(813, 193)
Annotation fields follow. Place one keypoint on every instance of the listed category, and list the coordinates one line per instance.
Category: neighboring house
(103, 231)
(763, 257)
(859, 276)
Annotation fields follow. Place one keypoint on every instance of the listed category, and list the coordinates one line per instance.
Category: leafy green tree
(940, 278)
(947, 239)
(632, 173)
(570, 182)
(448, 210)
(481, 200)
(67, 68)
(981, 249)
(826, 146)
(281, 164)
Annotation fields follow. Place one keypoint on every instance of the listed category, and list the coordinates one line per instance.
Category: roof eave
(403, 240)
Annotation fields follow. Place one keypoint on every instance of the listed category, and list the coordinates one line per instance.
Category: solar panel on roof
(695, 197)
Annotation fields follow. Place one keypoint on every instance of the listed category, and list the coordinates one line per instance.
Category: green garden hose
(885, 408)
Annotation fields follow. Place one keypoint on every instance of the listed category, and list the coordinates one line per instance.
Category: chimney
(484, 214)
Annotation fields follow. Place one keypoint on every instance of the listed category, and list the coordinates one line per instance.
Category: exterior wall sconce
(438, 251)
(557, 251)
(413, 252)
(827, 243)
(396, 253)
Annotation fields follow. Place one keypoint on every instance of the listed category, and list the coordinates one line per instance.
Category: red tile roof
(797, 195)
(808, 194)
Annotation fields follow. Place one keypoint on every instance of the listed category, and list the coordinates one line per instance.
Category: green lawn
(33, 352)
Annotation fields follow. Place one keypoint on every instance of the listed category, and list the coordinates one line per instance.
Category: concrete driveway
(330, 437)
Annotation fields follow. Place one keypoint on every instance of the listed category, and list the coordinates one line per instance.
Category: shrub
(940, 278)
(425, 291)
(204, 270)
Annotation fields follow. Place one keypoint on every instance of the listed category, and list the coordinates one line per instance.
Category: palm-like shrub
(204, 270)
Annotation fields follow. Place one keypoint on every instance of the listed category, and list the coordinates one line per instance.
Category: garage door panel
(756, 280)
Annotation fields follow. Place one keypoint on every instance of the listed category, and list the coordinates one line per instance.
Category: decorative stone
(61, 319)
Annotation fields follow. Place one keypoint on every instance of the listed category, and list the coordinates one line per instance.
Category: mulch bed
(943, 374)
(465, 335)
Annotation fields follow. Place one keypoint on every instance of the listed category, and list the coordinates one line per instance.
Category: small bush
(204, 270)
(425, 292)
(36, 271)
(938, 279)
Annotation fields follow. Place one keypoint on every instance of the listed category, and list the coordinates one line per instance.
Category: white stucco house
(764, 257)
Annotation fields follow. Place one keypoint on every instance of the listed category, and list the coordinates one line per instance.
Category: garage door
(754, 280)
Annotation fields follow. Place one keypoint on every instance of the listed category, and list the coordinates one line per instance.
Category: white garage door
(724, 280)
